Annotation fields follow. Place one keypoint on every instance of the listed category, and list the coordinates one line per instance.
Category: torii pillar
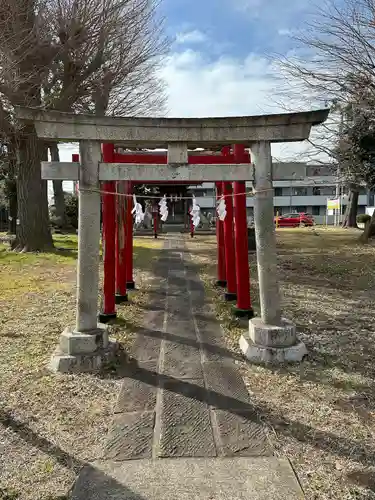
(271, 338)
(85, 347)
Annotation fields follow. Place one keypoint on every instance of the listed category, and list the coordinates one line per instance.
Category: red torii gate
(232, 243)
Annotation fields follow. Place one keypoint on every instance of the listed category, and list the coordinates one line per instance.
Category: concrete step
(267, 478)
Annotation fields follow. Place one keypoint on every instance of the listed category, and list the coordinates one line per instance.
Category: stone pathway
(184, 398)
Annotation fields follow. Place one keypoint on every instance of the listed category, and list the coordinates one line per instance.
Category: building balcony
(310, 201)
(284, 201)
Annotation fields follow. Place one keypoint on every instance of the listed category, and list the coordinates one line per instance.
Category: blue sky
(222, 60)
(224, 53)
(239, 26)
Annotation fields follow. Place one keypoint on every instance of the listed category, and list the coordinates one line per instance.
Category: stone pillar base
(230, 297)
(130, 285)
(243, 313)
(221, 283)
(106, 318)
(272, 344)
(83, 352)
(120, 299)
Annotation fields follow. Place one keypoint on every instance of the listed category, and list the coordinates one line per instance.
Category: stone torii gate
(85, 347)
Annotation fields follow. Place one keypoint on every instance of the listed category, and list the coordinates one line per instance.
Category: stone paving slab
(190, 479)
(181, 326)
(147, 348)
(135, 394)
(241, 434)
(130, 436)
(182, 361)
(177, 308)
(212, 341)
(185, 425)
(226, 387)
(181, 339)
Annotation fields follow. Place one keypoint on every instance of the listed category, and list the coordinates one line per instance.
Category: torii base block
(83, 352)
(268, 344)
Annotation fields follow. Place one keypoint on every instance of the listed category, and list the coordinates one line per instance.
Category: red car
(295, 220)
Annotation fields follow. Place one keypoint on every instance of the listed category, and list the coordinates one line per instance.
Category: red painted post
(155, 211)
(192, 228)
(109, 242)
(121, 293)
(230, 267)
(221, 275)
(243, 308)
(75, 159)
(130, 285)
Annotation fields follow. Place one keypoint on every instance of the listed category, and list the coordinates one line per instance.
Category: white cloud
(191, 37)
(285, 32)
(199, 87)
(227, 86)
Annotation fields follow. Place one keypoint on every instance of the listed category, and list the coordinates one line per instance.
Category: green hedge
(363, 218)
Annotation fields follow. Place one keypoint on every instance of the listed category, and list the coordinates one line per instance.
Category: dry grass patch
(51, 424)
(321, 412)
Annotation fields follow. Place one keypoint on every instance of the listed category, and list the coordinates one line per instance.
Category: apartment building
(299, 187)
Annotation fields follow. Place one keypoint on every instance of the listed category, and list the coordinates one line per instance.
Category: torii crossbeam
(270, 338)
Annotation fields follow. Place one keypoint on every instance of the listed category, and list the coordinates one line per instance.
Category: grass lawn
(320, 413)
(51, 424)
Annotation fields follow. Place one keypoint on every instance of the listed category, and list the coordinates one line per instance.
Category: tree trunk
(369, 230)
(58, 192)
(33, 228)
(11, 187)
(350, 217)
(12, 201)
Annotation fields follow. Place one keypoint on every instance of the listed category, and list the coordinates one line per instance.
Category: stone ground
(184, 425)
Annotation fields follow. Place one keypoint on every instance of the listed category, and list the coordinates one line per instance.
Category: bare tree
(111, 53)
(92, 56)
(336, 67)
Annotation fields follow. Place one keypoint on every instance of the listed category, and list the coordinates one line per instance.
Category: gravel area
(320, 413)
(51, 424)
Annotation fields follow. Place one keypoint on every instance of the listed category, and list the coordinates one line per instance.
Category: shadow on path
(64, 458)
(322, 440)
